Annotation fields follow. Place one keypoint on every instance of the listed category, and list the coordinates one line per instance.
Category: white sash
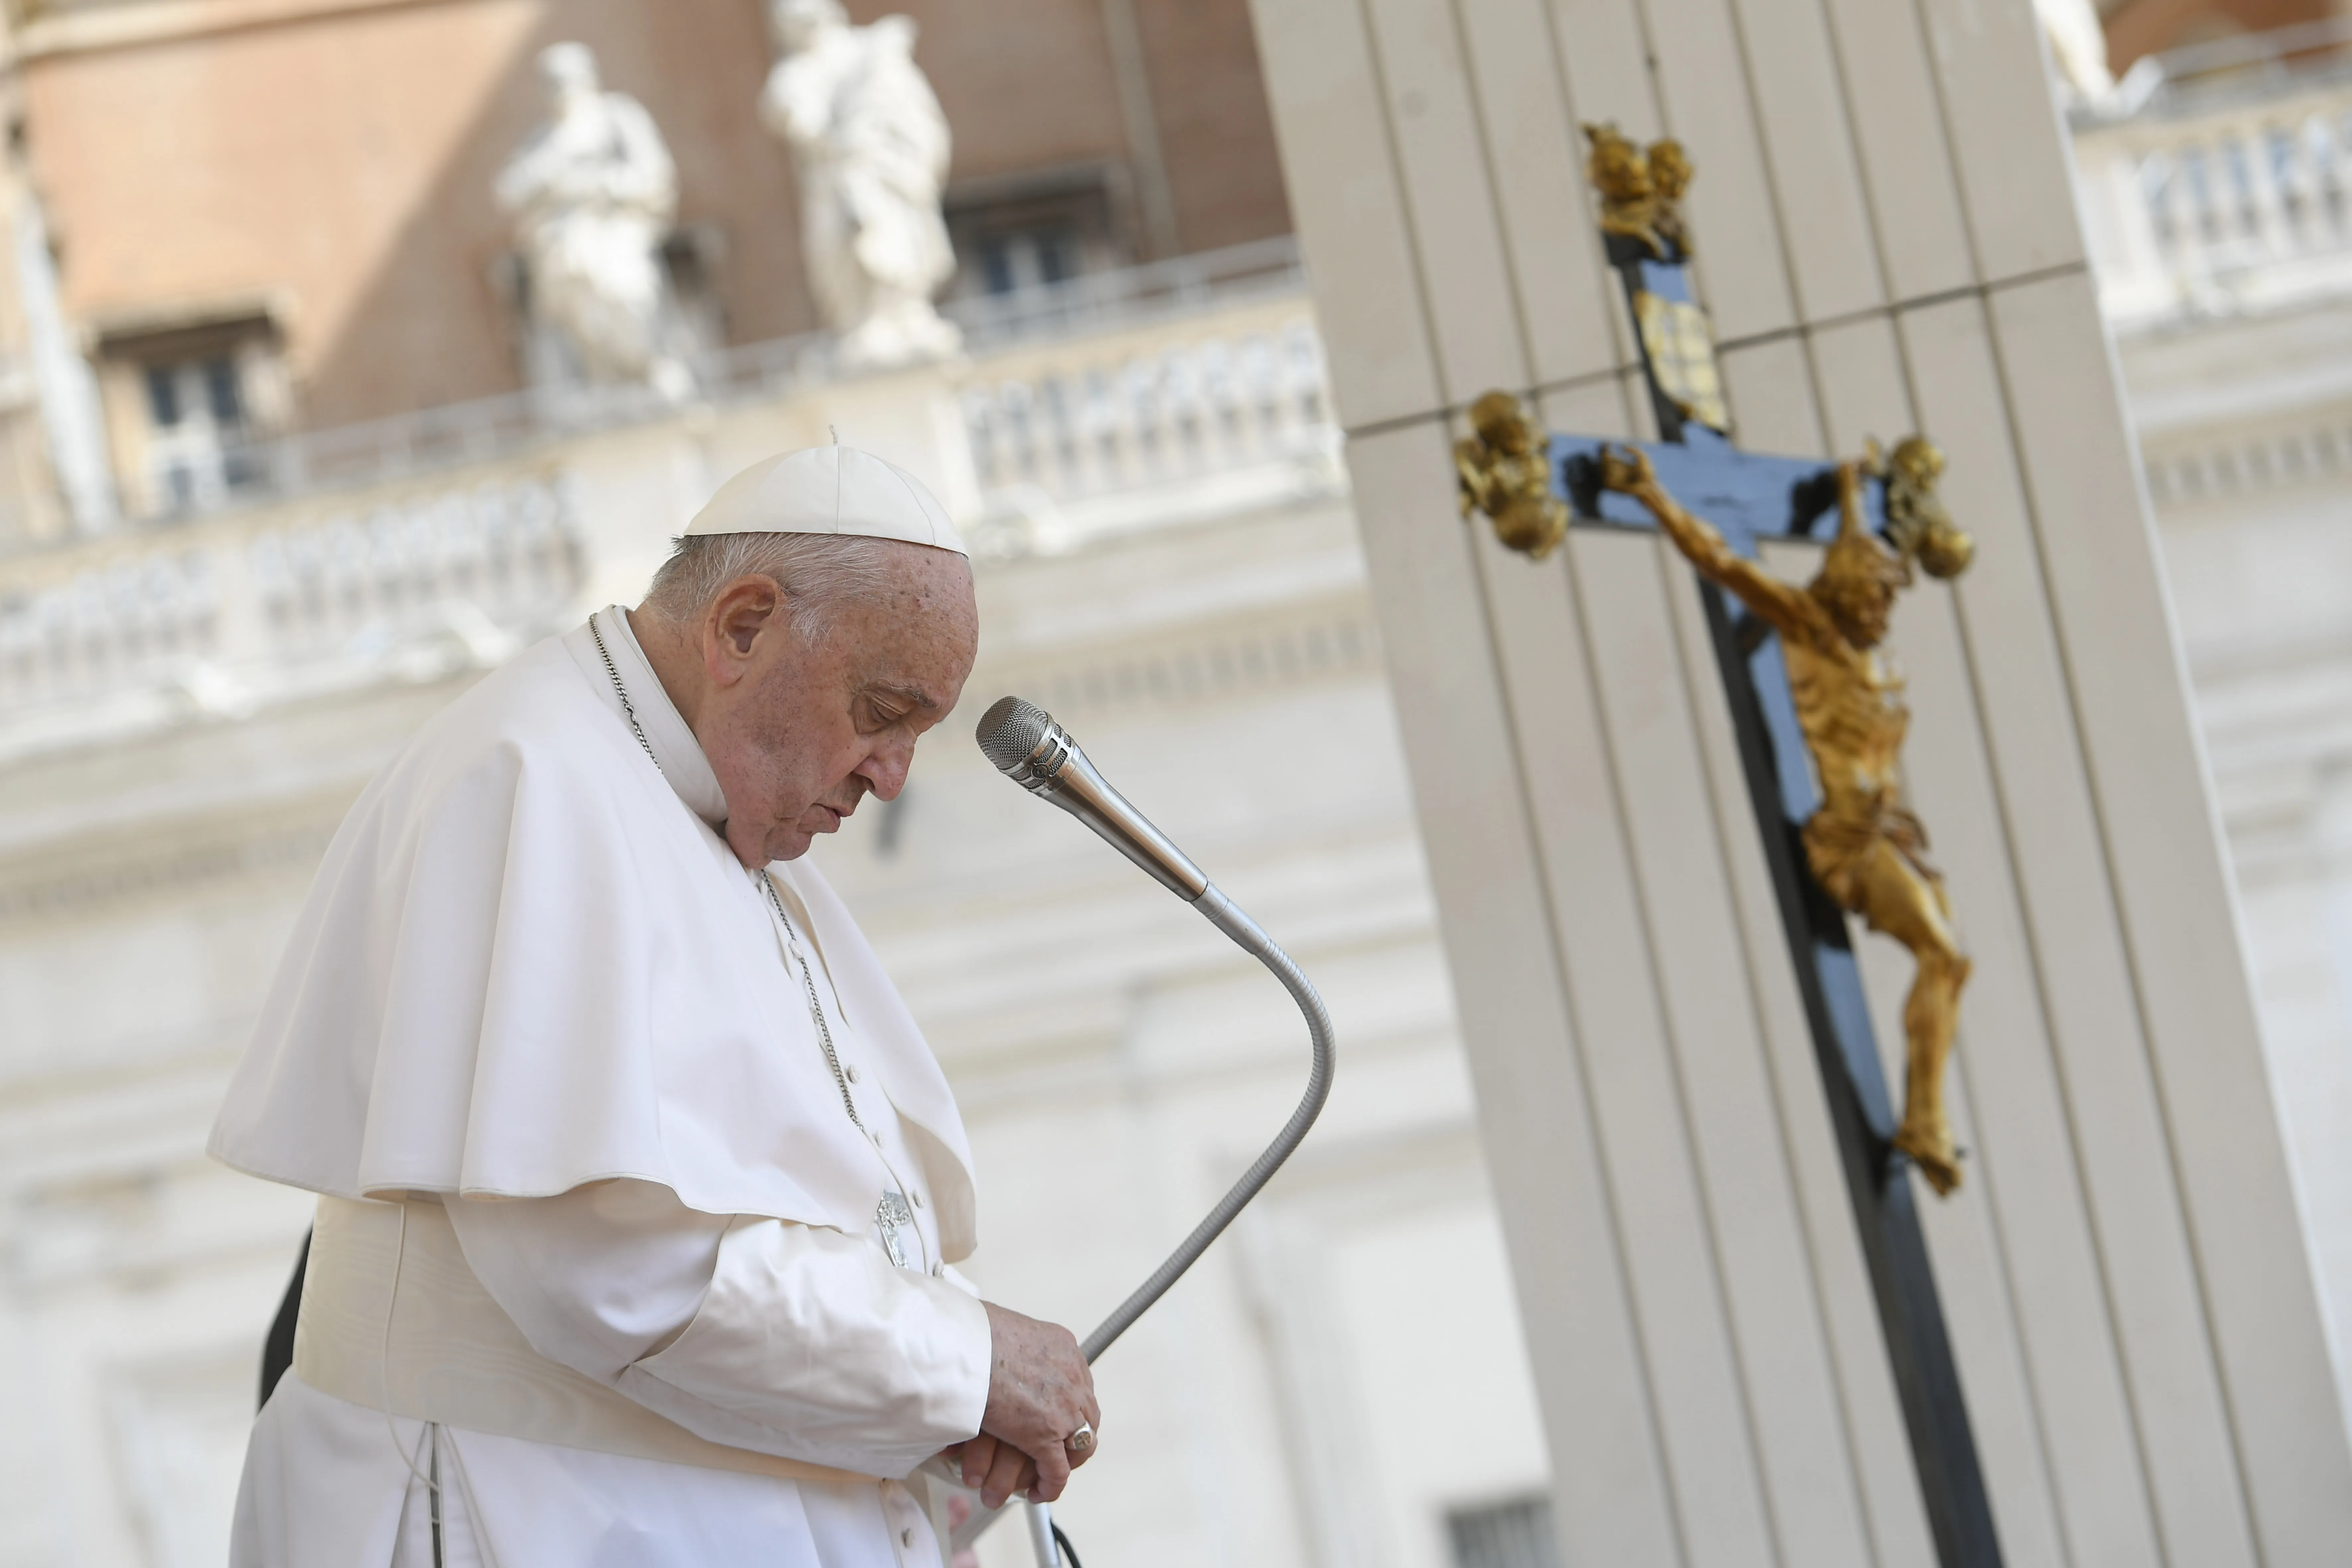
(440, 1348)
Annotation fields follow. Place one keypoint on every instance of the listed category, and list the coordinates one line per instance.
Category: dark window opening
(1513, 1534)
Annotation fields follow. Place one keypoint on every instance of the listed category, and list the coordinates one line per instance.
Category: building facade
(326, 168)
(2218, 209)
(1142, 443)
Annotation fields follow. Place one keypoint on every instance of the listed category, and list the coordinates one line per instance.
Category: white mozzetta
(477, 937)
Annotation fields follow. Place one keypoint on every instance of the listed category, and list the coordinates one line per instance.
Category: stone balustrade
(2227, 192)
(2241, 463)
(431, 548)
(1121, 411)
(214, 618)
(1090, 308)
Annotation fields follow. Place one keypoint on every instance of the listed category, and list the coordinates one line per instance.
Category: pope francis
(638, 1189)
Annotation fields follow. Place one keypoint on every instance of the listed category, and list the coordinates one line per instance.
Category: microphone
(1039, 755)
(1033, 751)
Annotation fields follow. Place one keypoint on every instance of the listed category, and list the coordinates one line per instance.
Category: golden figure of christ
(1863, 845)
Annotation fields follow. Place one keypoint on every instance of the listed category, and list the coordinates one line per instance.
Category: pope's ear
(750, 607)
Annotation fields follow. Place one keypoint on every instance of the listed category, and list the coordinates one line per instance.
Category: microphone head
(1010, 731)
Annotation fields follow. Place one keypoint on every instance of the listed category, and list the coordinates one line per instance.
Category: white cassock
(600, 1274)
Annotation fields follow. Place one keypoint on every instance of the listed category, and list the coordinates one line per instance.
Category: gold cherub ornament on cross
(1504, 471)
(1641, 192)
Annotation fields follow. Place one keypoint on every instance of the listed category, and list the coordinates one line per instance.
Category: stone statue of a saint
(593, 193)
(871, 146)
(2078, 49)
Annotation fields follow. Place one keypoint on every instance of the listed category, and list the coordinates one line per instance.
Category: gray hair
(814, 570)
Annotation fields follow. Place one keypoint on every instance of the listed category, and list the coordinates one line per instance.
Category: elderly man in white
(638, 1188)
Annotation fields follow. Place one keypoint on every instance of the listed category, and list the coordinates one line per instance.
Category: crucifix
(1820, 719)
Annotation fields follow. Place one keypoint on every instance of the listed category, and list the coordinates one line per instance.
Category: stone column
(1887, 241)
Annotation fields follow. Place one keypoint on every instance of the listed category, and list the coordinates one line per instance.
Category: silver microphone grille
(1009, 731)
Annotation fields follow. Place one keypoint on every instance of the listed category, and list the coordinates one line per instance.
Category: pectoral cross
(1819, 754)
(895, 1223)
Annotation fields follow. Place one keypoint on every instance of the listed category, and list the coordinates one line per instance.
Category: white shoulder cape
(527, 964)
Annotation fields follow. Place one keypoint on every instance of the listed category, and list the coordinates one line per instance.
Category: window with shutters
(1513, 1535)
(189, 404)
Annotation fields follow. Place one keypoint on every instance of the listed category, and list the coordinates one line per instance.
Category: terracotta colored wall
(345, 162)
(1216, 130)
(293, 159)
(2140, 27)
(348, 161)
(1025, 83)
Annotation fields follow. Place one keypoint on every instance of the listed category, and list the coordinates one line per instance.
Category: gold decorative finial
(1641, 193)
(1917, 522)
(1504, 472)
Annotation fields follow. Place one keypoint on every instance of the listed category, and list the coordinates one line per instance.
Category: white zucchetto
(828, 490)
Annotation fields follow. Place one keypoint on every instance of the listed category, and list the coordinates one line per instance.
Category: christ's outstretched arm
(1785, 607)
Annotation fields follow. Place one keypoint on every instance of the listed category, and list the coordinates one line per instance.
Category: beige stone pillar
(1887, 241)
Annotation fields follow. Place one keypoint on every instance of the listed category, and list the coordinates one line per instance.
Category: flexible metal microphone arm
(1029, 747)
(1227, 918)
(1023, 740)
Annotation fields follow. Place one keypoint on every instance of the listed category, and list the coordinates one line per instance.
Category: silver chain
(808, 980)
(808, 983)
(622, 692)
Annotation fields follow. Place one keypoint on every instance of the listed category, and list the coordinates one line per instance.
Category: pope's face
(799, 732)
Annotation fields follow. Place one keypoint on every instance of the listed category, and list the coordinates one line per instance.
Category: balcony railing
(443, 540)
(1074, 422)
(2219, 178)
(456, 434)
(217, 619)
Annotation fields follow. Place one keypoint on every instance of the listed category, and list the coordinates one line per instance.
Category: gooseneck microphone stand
(1038, 755)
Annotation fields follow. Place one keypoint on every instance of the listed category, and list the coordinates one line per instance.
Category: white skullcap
(828, 490)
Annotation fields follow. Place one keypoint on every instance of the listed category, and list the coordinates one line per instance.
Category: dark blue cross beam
(1750, 498)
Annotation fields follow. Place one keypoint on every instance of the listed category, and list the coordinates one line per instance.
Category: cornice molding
(58, 886)
(1313, 642)
(124, 27)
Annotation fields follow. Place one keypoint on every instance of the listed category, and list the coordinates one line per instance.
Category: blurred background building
(289, 454)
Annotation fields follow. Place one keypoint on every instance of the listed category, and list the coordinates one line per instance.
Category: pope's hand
(1039, 1392)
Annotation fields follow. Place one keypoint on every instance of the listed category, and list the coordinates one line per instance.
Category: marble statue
(2078, 49)
(593, 193)
(871, 146)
